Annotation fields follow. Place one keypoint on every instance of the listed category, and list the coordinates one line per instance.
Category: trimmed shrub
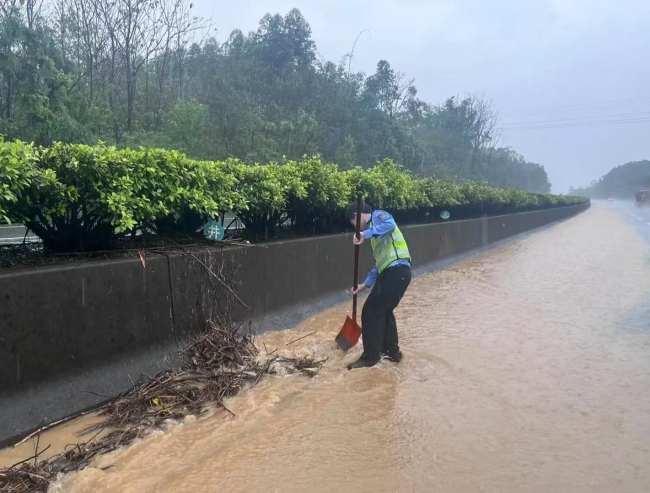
(18, 176)
(84, 198)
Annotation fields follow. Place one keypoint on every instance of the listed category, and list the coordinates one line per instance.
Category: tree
(140, 73)
(389, 91)
(622, 181)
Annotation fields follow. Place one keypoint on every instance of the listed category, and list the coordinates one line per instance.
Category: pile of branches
(222, 362)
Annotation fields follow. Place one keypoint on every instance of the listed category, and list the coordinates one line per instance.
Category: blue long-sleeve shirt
(382, 224)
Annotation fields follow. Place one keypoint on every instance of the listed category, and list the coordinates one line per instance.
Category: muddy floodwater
(526, 369)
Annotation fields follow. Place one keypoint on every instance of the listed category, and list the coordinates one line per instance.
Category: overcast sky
(572, 65)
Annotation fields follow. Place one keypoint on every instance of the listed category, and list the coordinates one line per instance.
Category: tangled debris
(222, 362)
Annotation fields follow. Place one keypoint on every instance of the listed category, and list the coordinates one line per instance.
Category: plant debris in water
(222, 362)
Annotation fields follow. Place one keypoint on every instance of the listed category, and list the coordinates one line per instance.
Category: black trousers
(378, 324)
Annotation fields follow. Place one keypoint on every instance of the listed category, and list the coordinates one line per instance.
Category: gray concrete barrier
(72, 334)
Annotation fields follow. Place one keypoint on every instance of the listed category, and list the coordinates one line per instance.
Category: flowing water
(526, 369)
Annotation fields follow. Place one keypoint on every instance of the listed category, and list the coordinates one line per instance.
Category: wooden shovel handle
(356, 257)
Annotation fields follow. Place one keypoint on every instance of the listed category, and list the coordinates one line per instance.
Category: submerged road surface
(526, 369)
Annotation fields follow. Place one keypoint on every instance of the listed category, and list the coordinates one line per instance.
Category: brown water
(526, 369)
(52, 442)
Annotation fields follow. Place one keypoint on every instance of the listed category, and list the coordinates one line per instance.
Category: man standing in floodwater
(388, 280)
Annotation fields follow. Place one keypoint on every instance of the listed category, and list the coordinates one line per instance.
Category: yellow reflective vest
(389, 248)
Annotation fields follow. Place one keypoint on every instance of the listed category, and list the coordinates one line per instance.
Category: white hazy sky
(572, 65)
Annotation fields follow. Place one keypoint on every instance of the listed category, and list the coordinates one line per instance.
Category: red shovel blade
(349, 334)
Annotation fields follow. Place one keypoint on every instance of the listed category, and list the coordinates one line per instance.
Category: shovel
(350, 333)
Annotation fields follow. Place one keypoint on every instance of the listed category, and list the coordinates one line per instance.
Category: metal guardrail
(14, 234)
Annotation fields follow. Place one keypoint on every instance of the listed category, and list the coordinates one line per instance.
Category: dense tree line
(138, 73)
(621, 182)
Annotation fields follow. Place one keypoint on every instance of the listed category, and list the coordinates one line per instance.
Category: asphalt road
(637, 216)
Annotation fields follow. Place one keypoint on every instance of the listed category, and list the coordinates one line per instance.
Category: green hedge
(84, 198)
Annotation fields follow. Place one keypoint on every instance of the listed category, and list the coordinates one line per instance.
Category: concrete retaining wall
(96, 326)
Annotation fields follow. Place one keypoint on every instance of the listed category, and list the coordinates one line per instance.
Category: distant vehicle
(611, 199)
(610, 196)
(642, 197)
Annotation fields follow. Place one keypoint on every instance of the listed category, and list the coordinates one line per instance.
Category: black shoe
(362, 363)
(395, 356)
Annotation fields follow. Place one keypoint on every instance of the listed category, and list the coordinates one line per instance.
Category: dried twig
(29, 459)
(301, 338)
(219, 279)
(53, 424)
